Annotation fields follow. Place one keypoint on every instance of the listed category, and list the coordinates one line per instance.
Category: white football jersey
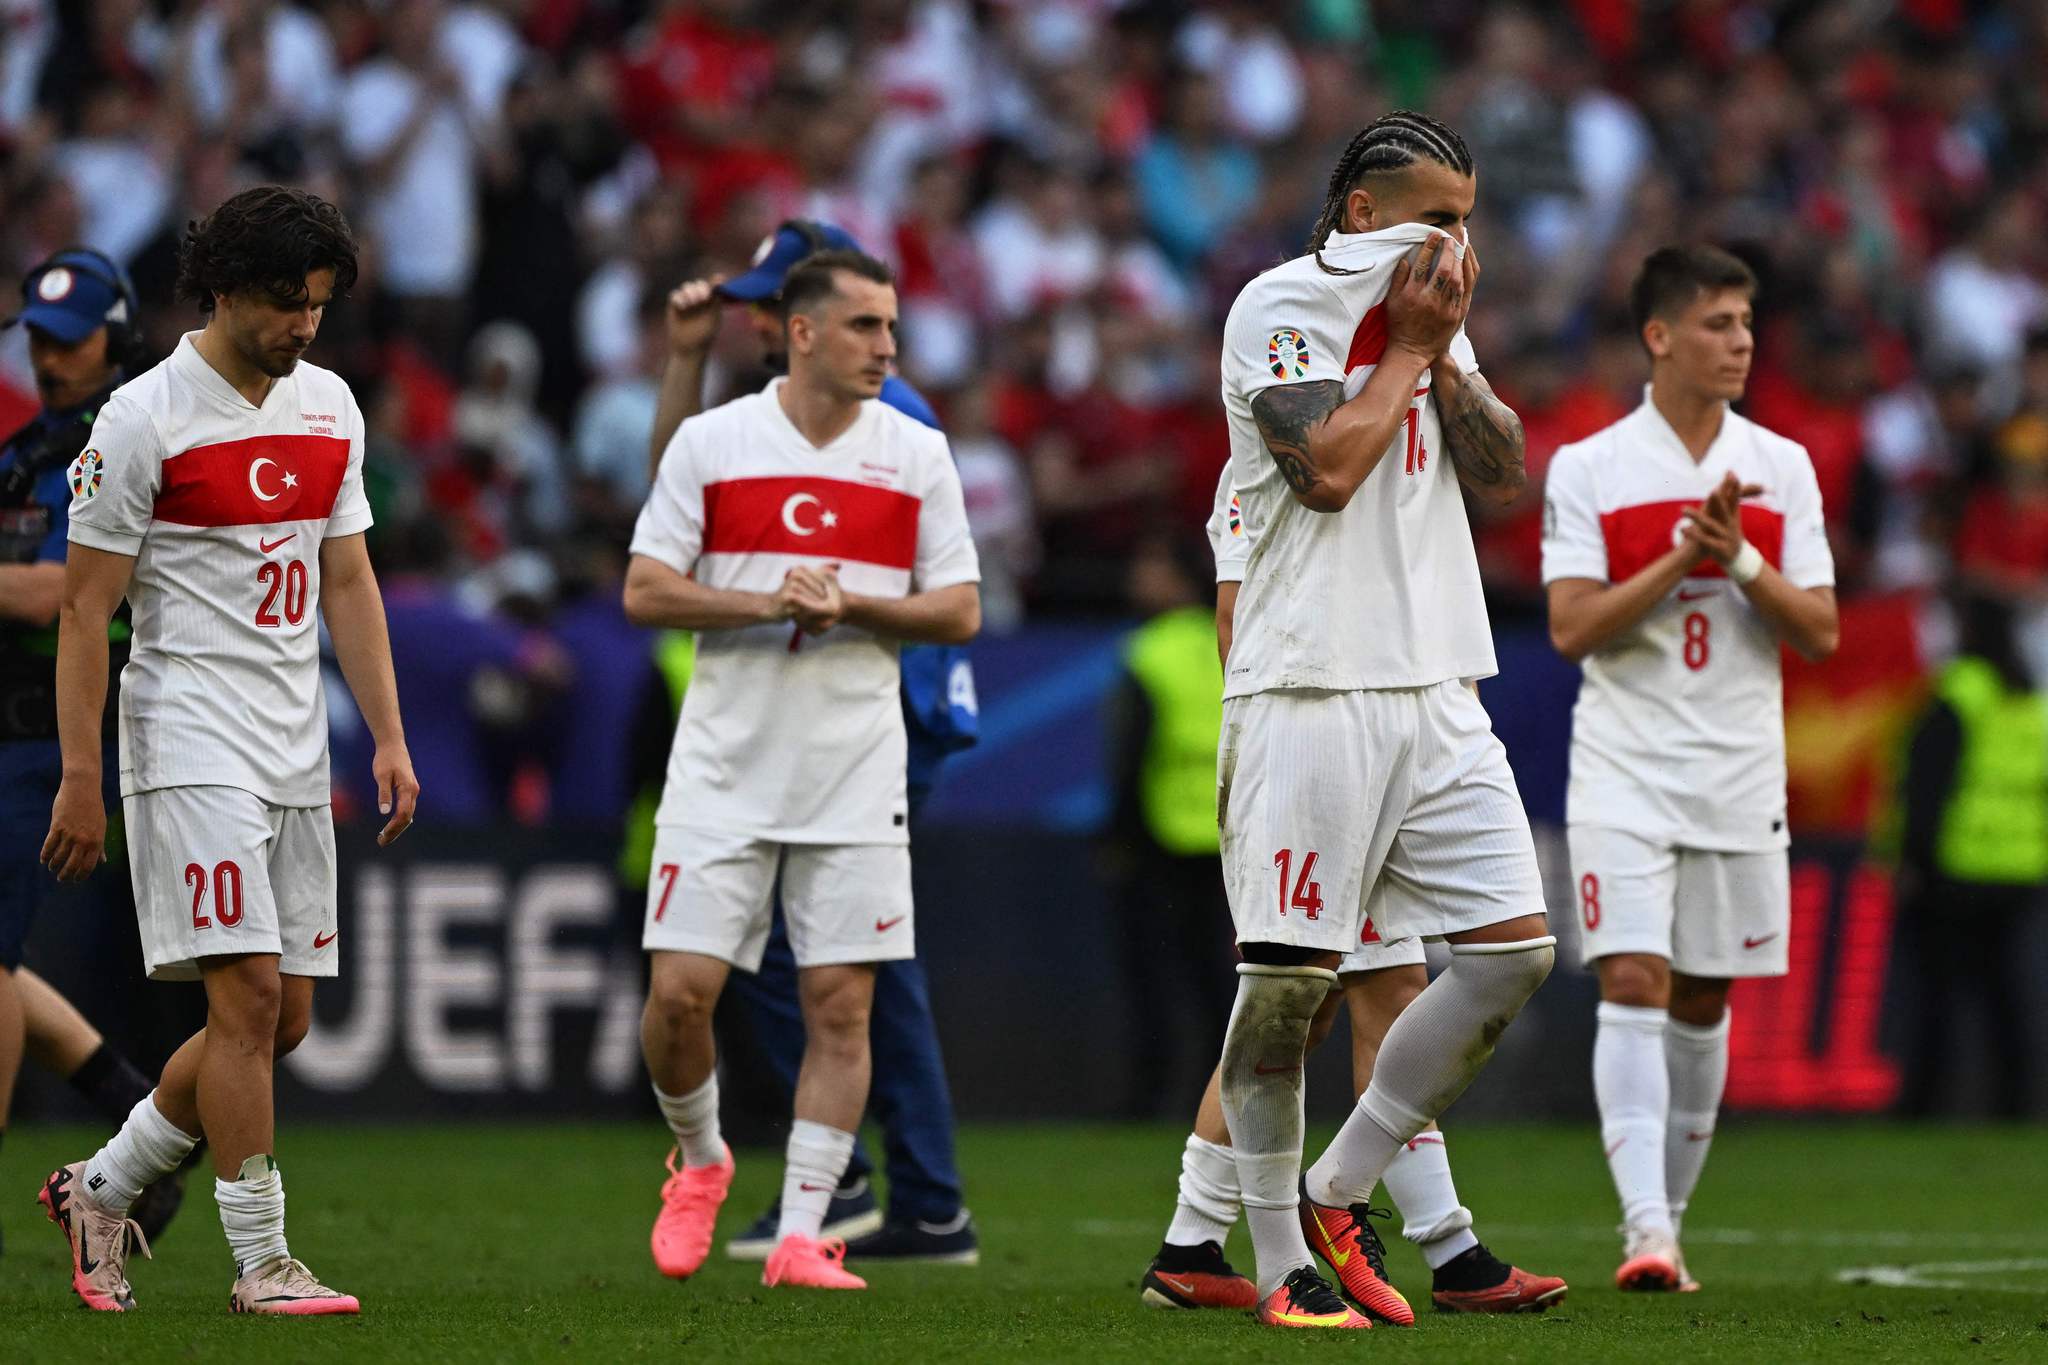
(786, 736)
(224, 506)
(1230, 539)
(1385, 593)
(1679, 731)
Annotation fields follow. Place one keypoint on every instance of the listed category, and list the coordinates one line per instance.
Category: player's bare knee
(293, 1019)
(680, 1000)
(1701, 1001)
(837, 1004)
(1635, 979)
(244, 998)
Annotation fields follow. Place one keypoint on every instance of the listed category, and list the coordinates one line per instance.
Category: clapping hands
(1714, 528)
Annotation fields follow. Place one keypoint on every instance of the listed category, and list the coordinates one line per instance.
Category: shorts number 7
(1308, 893)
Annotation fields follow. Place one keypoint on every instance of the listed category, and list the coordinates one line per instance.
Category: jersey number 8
(1697, 631)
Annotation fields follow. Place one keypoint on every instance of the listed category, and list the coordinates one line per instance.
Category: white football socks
(1634, 1091)
(817, 1157)
(1432, 1052)
(693, 1118)
(1697, 1059)
(1263, 1051)
(148, 1147)
(1420, 1186)
(252, 1214)
(1209, 1204)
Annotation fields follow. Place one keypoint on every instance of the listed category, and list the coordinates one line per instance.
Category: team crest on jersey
(86, 472)
(1236, 517)
(1287, 354)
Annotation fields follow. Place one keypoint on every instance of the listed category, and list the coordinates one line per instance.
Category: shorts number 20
(227, 894)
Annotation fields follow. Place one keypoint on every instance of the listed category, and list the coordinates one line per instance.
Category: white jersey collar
(211, 382)
(772, 396)
(1662, 431)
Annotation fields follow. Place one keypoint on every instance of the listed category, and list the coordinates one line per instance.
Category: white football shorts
(1709, 914)
(1374, 953)
(713, 894)
(1395, 806)
(219, 870)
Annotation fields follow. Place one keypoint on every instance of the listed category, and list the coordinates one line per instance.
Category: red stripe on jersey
(1369, 342)
(1637, 536)
(258, 481)
(826, 518)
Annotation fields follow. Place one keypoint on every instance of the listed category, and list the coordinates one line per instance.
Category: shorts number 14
(1308, 892)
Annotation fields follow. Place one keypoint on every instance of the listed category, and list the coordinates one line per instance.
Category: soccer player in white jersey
(222, 493)
(1681, 547)
(1358, 776)
(803, 531)
(1379, 978)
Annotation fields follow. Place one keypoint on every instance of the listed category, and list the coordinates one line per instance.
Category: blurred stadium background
(1072, 192)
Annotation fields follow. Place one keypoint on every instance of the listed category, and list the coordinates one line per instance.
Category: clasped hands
(812, 598)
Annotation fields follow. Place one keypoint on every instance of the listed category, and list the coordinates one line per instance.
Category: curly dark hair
(266, 241)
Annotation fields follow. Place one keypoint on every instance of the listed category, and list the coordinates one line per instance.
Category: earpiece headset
(124, 333)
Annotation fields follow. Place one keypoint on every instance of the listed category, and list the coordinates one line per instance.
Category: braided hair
(1390, 143)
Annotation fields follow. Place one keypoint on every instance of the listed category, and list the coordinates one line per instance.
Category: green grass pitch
(489, 1243)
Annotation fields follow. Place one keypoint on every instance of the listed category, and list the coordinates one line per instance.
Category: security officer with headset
(84, 342)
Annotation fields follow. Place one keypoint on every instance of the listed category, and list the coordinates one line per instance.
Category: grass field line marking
(1794, 1237)
(1695, 1236)
(1944, 1275)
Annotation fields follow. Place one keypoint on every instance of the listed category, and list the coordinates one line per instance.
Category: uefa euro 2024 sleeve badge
(86, 472)
(1287, 354)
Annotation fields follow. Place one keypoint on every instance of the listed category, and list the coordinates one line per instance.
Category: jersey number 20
(287, 580)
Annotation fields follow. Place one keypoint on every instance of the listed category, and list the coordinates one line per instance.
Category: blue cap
(73, 294)
(779, 254)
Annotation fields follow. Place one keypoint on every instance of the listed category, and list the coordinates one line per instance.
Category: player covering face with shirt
(1360, 787)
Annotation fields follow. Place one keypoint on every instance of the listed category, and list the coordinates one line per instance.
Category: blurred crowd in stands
(1072, 191)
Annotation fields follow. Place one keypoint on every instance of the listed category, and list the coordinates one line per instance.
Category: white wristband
(1746, 566)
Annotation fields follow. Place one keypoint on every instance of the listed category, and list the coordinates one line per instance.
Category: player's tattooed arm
(1288, 416)
(1482, 434)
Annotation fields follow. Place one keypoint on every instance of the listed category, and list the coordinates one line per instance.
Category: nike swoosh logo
(1619, 1143)
(86, 1265)
(1307, 1319)
(1182, 1285)
(320, 941)
(1338, 1259)
(1758, 942)
(1698, 1137)
(813, 1189)
(268, 545)
(1263, 1070)
(1685, 596)
(883, 926)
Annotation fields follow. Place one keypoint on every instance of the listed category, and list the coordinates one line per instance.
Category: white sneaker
(98, 1238)
(1649, 1261)
(286, 1286)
